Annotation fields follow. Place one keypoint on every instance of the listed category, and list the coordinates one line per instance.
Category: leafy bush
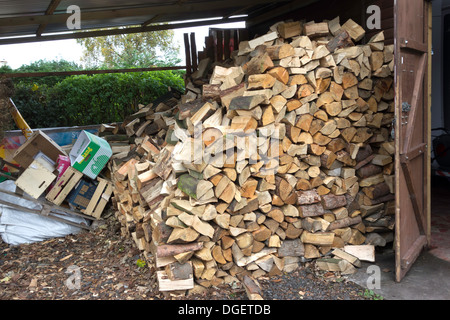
(43, 66)
(86, 100)
(37, 106)
(60, 101)
(106, 98)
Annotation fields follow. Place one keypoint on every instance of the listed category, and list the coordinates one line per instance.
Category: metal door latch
(406, 108)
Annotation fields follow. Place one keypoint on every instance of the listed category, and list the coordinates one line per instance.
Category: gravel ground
(111, 268)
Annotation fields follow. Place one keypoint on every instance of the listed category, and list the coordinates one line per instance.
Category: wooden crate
(100, 198)
(35, 180)
(64, 185)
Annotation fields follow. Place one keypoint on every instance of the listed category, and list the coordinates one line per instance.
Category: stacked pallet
(285, 153)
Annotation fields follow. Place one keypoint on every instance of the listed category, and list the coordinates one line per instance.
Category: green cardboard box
(90, 154)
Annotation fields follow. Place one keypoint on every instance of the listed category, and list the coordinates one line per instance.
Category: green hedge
(86, 100)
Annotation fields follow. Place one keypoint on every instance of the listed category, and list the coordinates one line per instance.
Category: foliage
(86, 100)
(141, 263)
(131, 50)
(371, 295)
(110, 98)
(47, 102)
(43, 66)
(36, 105)
(6, 69)
(6, 90)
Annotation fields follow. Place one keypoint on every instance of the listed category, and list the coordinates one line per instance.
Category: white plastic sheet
(18, 227)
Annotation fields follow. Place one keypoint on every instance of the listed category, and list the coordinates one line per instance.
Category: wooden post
(193, 53)
(209, 47)
(187, 51)
(235, 39)
(219, 45)
(227, 50)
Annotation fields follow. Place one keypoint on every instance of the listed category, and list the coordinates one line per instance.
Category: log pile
(282, 154)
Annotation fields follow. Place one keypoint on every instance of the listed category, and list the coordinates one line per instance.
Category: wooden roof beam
(109, 32)
(157, 16)
(50, 10)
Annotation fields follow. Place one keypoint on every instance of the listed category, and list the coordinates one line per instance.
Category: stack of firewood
(282, 154)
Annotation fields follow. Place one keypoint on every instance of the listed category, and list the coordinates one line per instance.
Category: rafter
(50, 10)
(101, 33)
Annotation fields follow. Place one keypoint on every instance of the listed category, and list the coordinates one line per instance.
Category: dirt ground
(100, 265)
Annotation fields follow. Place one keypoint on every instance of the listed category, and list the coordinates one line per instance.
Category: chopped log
(346, 256)
(336, 265)
(377, 191)
(280, 73)
(259, 64)
(262, 234)
(319, 239)
(315, 30)
(349, 80)
(343, 223)
(341, 40)
(290, 29)
(369, 171)
(246, 103)
(165, 284)
(332, 201)
(307, 197)
(176, 271)
(382, 160)
(172, 250)
(320, 52)
(280, 51)
(354, 30)
(182, 236)
(371, 181)
(334, 26)
(313, 210)
(260, 81)
(311, 225)
(362, 252)
(188, 185)
(291, 248)
(252, 288)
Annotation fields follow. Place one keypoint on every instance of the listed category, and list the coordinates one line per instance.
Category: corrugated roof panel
(21, 7)
(26, 17)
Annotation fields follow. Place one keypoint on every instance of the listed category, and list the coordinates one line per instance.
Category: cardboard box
(90, 154)
(36, 178)
(39, 141)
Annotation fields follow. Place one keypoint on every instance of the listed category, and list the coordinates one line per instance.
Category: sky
(19, 54)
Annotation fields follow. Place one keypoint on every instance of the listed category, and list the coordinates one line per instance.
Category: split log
(172, 250)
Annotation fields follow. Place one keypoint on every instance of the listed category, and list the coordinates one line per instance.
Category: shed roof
(30, 20)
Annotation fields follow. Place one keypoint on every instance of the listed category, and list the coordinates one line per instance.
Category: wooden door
(412, 132)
